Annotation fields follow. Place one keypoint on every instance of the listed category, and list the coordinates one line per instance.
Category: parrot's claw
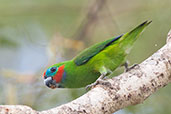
(93, 84)
(99, 80)
(129, 68)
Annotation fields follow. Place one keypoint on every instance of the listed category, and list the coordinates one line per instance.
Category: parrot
(93, 63)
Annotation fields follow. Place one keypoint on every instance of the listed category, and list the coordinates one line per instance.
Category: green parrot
(93, 63)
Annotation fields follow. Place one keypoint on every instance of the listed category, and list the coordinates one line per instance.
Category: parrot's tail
(127, 40)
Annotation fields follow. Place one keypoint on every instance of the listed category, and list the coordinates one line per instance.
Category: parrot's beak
(49, 82)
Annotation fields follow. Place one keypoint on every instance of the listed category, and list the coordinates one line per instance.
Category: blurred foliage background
(35, 34)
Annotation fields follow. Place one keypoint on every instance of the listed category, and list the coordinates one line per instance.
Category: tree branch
(129, 88)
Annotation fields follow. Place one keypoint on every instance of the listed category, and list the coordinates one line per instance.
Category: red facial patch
(58, 75)
(44, 74)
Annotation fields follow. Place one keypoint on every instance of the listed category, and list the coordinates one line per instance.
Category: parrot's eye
(53, 69)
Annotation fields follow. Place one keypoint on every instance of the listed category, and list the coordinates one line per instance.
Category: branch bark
(129, 88)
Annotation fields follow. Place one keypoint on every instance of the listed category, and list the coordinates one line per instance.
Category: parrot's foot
(129, 68)
(98, 81)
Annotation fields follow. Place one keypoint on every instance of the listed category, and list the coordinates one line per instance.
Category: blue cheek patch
(64, 76)
(49, 73)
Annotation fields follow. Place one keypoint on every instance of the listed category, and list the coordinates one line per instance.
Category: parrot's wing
(125, 41)
(88, 53)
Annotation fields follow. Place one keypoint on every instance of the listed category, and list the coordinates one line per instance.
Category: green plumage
(88, 53)
(101, 58)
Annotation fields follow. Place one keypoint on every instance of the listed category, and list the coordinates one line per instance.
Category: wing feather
(88, 53)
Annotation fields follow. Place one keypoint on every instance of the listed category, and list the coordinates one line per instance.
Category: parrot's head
(54, 76)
